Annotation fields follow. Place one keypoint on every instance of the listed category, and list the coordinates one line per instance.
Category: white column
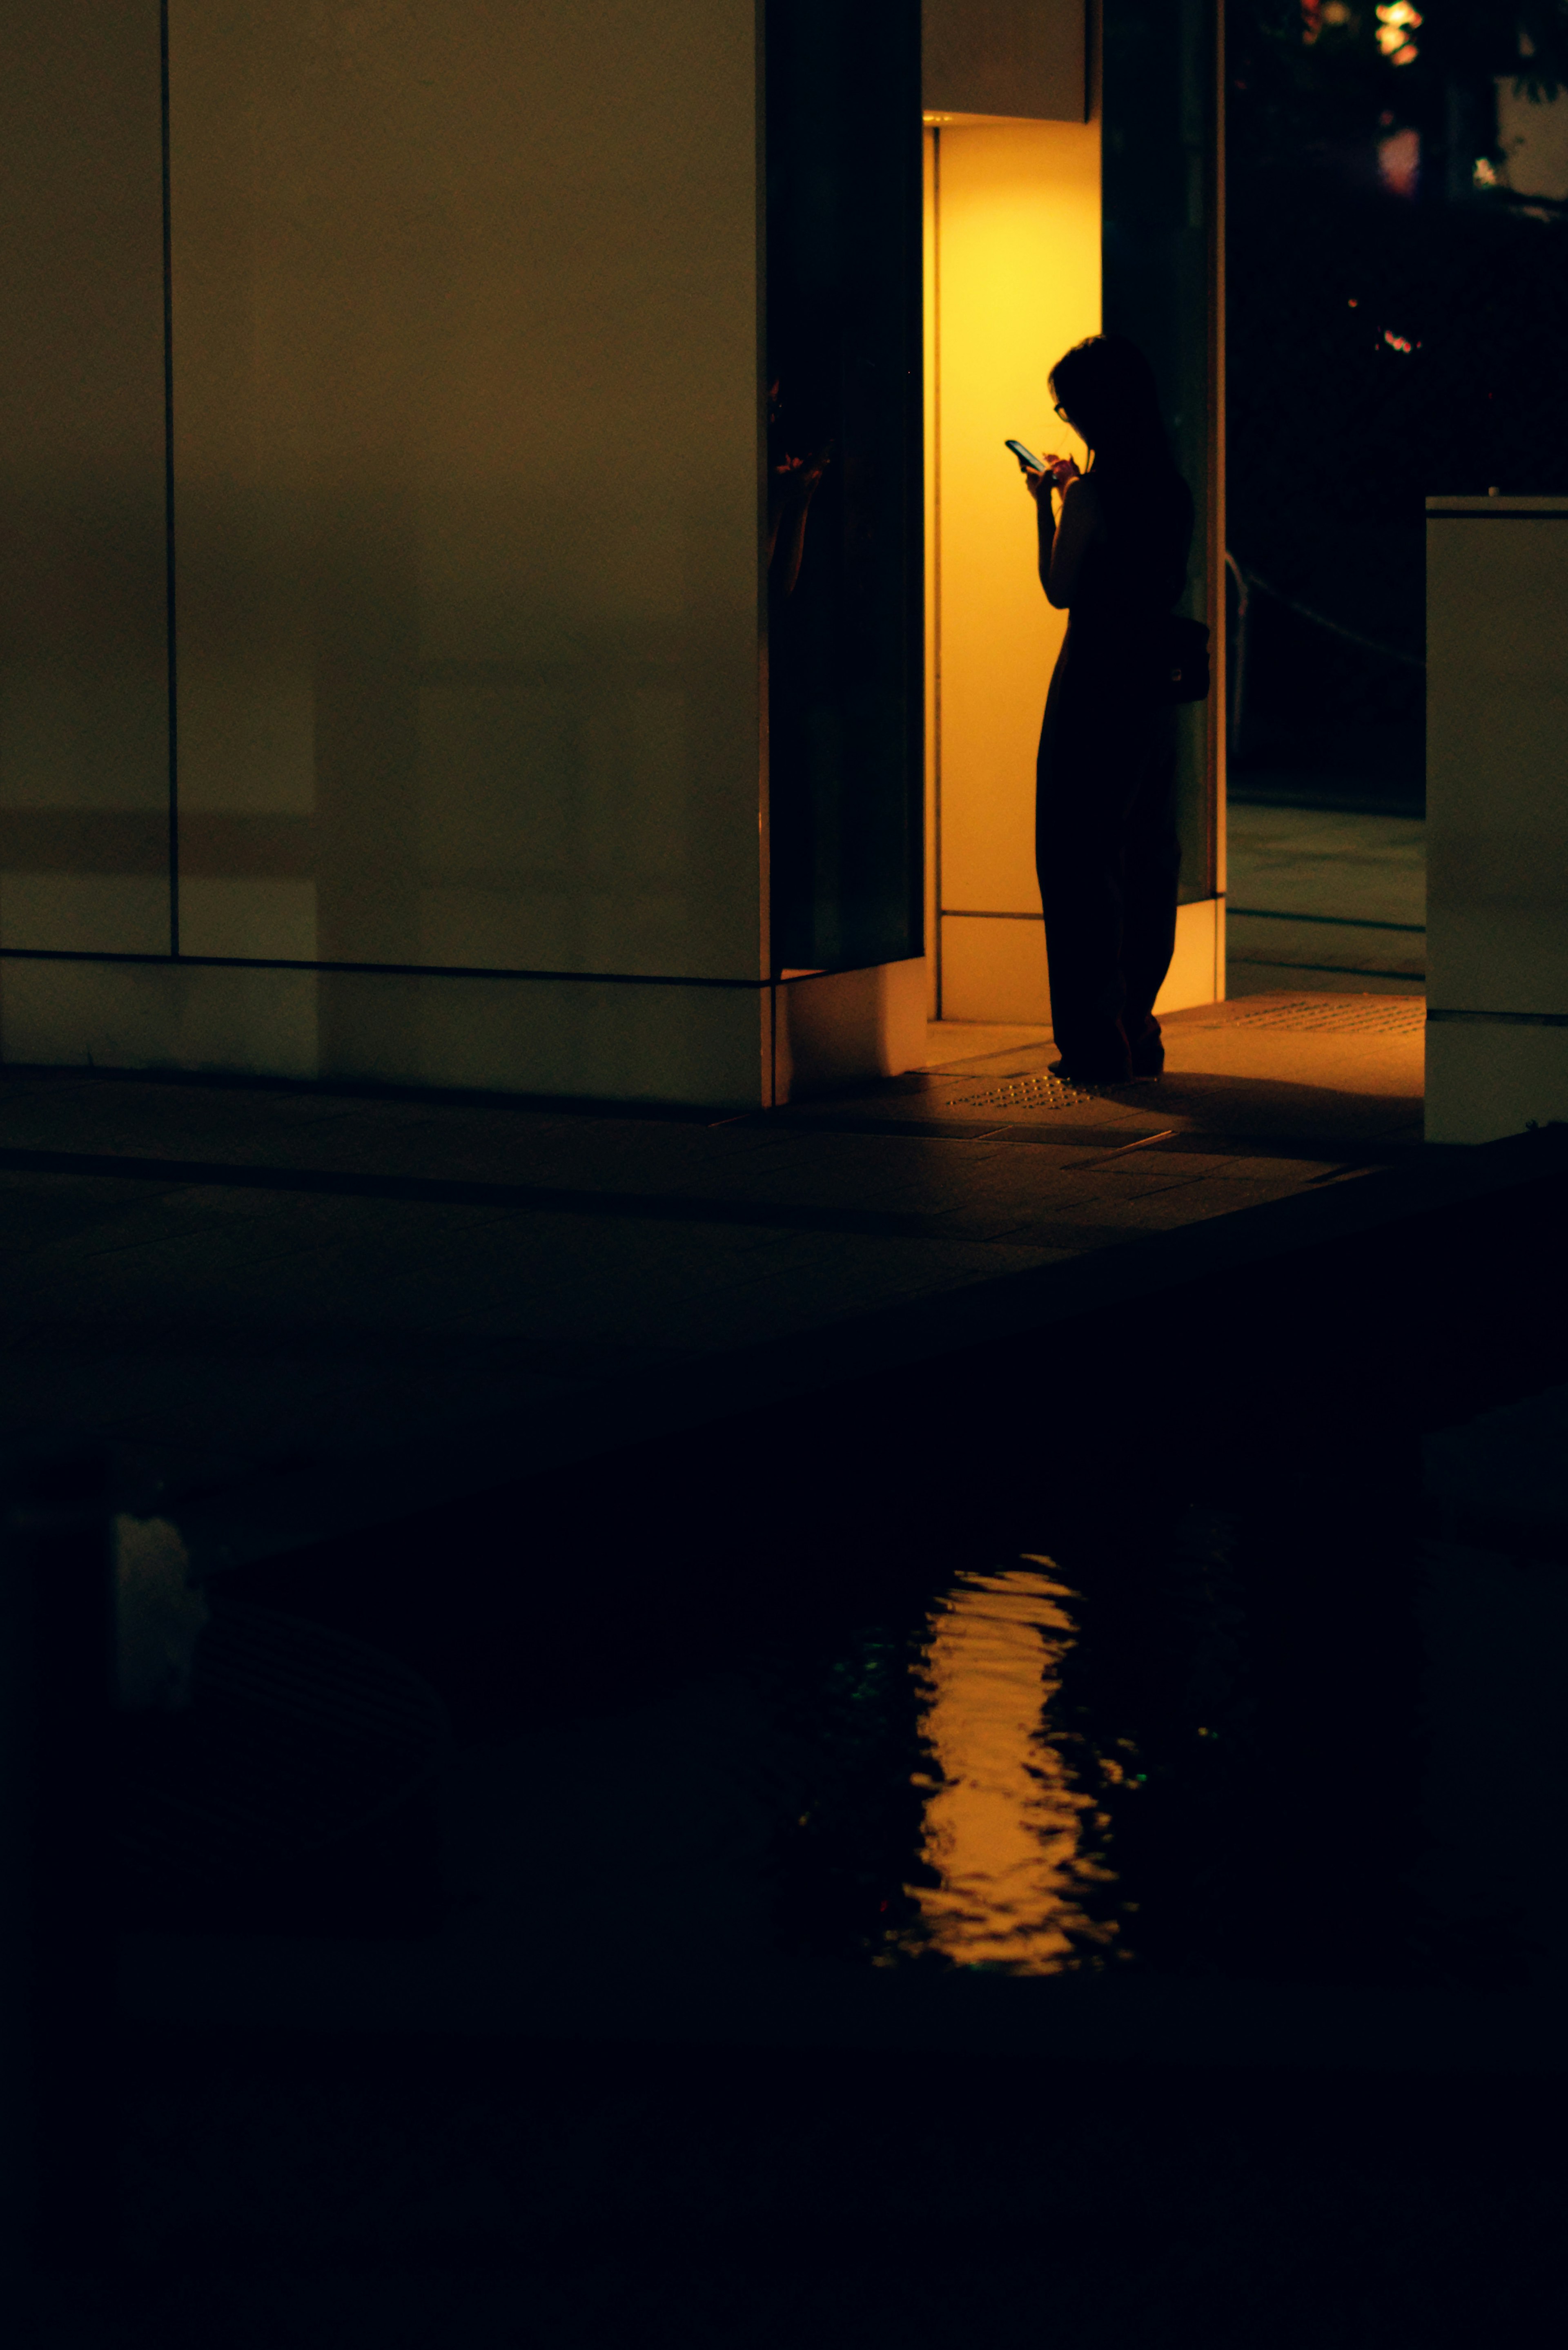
(1497, 815)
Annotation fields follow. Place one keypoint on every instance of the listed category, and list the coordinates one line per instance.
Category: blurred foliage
(1314, 76)
(1380, 352)
(1381, 348)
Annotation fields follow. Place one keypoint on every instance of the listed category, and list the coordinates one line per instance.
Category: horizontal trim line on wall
(1338, 970)
(1490, 514)
(386, 970)
(1501, 1019)
(983, 914)
(433, 970)
(1332, 921)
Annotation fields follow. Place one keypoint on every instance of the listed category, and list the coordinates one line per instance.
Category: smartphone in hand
(1028, 462)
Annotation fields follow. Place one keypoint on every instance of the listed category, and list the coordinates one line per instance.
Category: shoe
(1146, 1051)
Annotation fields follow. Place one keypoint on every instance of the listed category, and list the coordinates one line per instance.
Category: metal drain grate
(1027, 1093)
(1341, 1015)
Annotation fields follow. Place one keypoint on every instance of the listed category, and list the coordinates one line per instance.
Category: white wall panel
(1497, 815)
(467, 452)
(1011, 58)
(84, 751)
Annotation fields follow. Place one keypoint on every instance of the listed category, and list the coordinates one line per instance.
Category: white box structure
(1497, 815)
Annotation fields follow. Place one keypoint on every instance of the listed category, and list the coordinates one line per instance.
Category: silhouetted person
(1105, 844)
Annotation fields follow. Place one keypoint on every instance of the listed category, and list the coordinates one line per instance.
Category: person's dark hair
(1107, 389)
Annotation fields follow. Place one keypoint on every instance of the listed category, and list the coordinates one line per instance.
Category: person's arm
(1062, 540)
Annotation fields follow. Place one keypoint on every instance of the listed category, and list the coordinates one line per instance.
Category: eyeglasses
(1062, 414)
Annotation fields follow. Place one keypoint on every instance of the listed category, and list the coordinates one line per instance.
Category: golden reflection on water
(1004, 1824)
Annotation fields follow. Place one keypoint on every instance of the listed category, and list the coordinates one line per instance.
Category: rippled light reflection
(1006, 1826)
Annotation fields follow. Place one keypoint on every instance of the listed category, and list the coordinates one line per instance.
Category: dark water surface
(1065, 1845)
(1127, 1652)
(1211, 1723)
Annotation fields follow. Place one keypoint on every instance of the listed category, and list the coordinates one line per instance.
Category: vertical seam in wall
(173, 700)
(765, 615)
(1219, 708)
(937, 894)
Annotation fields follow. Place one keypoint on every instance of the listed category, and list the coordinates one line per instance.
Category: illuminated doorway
(1012, 280)
(1038, 232)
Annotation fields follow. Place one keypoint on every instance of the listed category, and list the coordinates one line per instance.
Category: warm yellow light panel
(1017, 272)
(928, 357)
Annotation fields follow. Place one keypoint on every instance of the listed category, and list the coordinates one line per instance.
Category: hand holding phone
(1041, 473)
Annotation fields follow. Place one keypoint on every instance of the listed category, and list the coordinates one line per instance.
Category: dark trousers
(1107, 856)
